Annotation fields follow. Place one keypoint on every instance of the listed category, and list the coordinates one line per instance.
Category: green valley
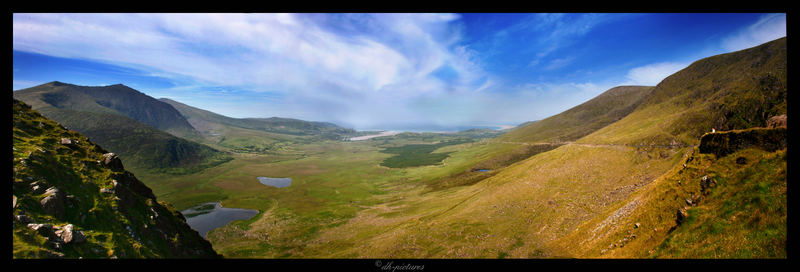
(692, 167)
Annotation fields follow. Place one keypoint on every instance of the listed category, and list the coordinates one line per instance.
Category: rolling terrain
(138, 131)
(73, 199)
(257, 135)
(632, 173)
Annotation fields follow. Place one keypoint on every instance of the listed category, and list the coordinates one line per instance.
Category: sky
(377, 71)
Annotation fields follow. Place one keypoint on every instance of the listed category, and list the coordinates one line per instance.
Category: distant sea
(438, 129)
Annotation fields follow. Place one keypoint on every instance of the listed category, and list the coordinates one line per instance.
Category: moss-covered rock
(75, 200)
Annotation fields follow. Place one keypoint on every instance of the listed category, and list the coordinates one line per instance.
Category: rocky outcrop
(68, 234)
(682, 214)
(724, 143)
(777, 121)
(113, 162)
(79, 201)
(53, 202)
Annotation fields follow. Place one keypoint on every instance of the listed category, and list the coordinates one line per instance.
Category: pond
(208, 216)
(275, 182)
(482, 170)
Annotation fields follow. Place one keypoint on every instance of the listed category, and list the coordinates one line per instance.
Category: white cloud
(769, 27)
(389, 65)
(652, 74)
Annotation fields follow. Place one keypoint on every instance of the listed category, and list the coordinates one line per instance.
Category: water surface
(275, 182)
(208, 216)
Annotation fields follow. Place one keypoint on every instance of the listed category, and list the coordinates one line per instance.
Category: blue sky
(377, 71)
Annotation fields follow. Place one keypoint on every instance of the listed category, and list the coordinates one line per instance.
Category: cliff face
(74, 199)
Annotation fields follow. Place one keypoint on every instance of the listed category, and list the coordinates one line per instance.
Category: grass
(745, 217)
(417, 154)
(115, 223)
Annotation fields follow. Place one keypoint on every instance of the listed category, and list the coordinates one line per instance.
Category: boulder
(682, 215)
(66, 141)
(23, 219)
(53, 203)
(113, 162)
(45, 230)
(69, 234)
(777, 121)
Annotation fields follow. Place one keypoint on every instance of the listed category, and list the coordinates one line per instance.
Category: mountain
(210, 121)
(648, 181)
(736, 90)
(581, 120)
(101, 114)
(257, 135)
(74, 199)
(118, 98)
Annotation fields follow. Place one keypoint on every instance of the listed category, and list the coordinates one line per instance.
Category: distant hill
(73, 199)
(89, 111)
(208, 121)
(581, 120)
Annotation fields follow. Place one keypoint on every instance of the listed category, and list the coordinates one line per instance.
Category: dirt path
(593, 145)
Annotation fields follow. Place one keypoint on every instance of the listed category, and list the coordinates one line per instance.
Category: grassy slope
(680, 108)
(583, 119)
(730, 91)
(554, 193)
(116, 224)
(143, 147)
(742, 216)
(209, 122)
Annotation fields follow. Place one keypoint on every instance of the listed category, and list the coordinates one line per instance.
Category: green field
(331, 183)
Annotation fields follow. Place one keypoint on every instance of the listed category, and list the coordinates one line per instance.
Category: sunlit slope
(735, 207)
(583, 119)
(737, 90)
(536, 207)
(512, 214)
(73, 199)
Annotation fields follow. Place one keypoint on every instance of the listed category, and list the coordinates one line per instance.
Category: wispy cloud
(311, 64)
(370, 70)
(652, 74)
(769, 27)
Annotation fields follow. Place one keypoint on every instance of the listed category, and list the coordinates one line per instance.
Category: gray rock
(13, 201)
(53, 202)
(689, 201)
(106, 191)
(66, 141)
(45, 230)
(682, 214)
(37, 187)
(637, 225)
(69, 234)
(113, 162)
(23, 219)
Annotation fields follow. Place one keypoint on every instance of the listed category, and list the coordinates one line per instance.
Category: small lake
(208, 216)
(275, 182)
(483, 170)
